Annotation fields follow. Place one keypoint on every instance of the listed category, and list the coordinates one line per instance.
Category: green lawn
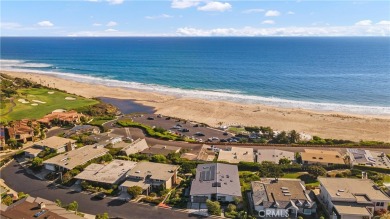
(386, 178)
(52, 101)
(309, 181)
(98, 121)
(236, 130)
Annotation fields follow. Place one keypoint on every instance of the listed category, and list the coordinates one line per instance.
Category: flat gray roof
(216, 178)
(135, 147)
(236, 155)
(347, 188)
(54, 142)
(161, 149)
(155, 170)
(106, 173)
(273, 155)
(71, 159)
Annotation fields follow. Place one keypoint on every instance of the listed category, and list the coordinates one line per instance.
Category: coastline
(324, 124)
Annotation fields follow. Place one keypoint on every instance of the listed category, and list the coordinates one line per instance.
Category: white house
(215, 181)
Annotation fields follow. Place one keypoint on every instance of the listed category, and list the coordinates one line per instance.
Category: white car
(214, 138)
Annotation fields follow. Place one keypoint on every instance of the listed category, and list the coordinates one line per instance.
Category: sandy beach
(323, 124)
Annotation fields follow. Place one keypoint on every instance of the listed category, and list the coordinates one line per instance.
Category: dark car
(100, 196)
(150, 118)
(185, 130)
(199, 134)
(225, 133)
(223, 140)
(196, 125)
(168, 118)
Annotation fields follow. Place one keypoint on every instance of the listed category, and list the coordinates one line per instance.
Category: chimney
(41, 205)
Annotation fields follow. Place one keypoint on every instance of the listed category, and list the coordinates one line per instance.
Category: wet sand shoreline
(324, 124)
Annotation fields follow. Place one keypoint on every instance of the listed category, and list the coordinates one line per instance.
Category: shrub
(213, 208)
(134, 191)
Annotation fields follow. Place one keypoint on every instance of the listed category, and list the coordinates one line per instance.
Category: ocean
(343, 74)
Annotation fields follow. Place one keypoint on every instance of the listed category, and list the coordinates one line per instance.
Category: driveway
(17, 179)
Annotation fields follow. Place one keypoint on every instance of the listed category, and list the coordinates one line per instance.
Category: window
(382, 204)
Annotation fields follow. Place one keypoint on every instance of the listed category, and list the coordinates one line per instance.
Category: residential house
(274, 155)
(71, 159)
(63, 117)
(113, 173)
(82, 129)
(346, 198)
(236, 155)
(149, 175)
(160, 149)
(135, 147)
(56, 143)
(31, 207)
(104, 139)
(322, 157)
(32, 152)
(215, 181)
(368, 158)
(22, 131)
(281, 197)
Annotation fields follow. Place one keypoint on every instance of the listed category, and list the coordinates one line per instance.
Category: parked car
(150, 118)
(168, 118)
(223, 140)
(196, 125)
(159, 116)
(199, 134)
(215, 138)
(100, 196)
(176, 127)
(225, 133)
(185, 130)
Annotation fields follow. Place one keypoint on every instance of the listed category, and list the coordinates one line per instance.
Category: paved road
(17, 179)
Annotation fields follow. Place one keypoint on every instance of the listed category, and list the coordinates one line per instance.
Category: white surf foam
(218, 95)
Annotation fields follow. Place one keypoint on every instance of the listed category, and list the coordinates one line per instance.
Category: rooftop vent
(341, 190)
(287, 194)
(137, 171)
(338, 194)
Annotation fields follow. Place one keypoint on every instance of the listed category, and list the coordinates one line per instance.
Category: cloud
(96, 24)
(268, 22)
(162, 16)
(9, 25)
(111, 24)
(363, 23)
(290, 13)
(45, 24)
(115, 2)
(181, 4)
(272, 13)
(253, 10)
(215, 6)
(383, 22)
(111, 30)
(374, 30)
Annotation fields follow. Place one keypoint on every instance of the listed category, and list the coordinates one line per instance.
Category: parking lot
(181, 127)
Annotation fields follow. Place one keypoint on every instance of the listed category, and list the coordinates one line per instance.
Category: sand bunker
(50, 92)
(23, 101)
(58, 111)
(70, 98)
(34, 104)
(38, 101)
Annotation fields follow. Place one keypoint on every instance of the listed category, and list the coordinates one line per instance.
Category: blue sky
(194, 18)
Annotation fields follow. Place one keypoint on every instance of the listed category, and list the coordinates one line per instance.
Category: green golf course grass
(52, 102)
